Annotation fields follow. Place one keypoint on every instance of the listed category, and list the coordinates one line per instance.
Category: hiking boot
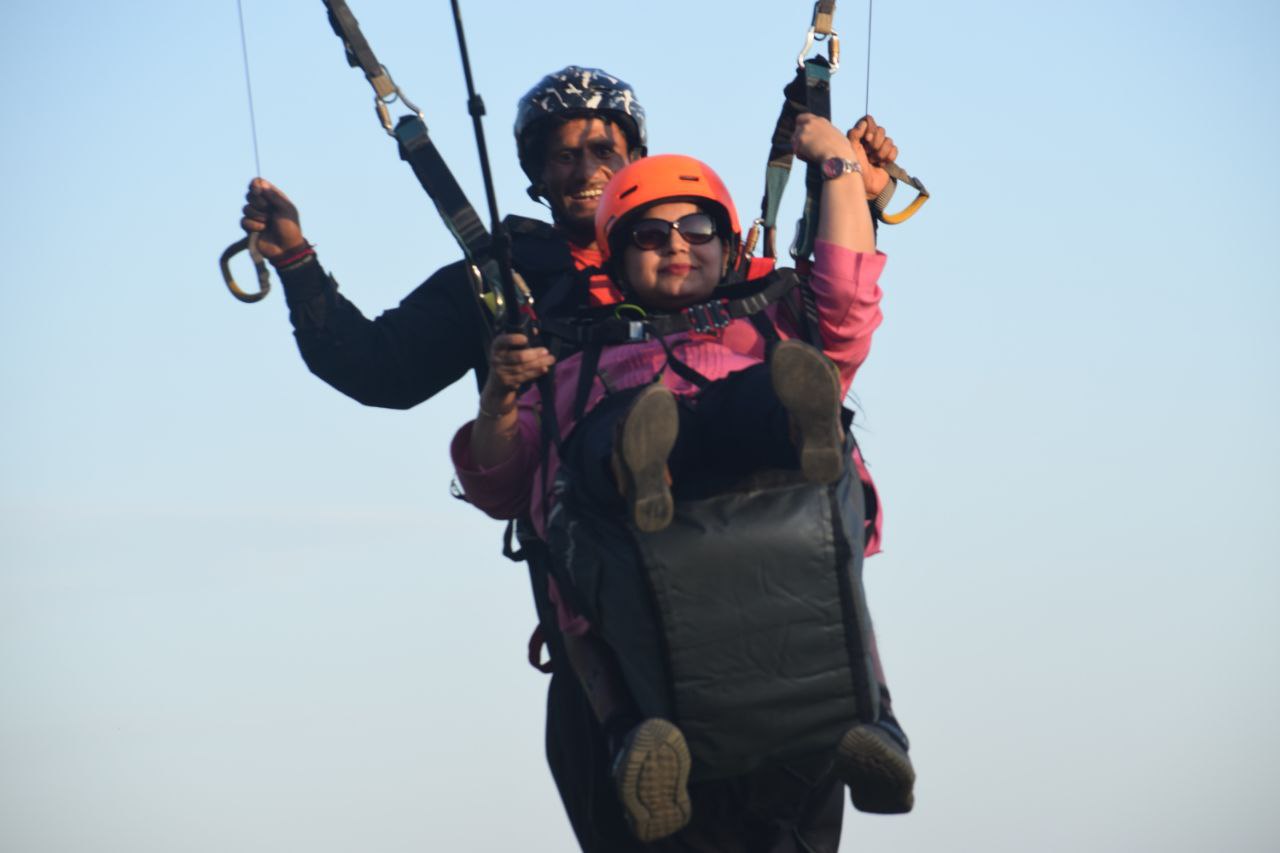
(808, 385)
(651, 773)
(872, 760)
(640, 450)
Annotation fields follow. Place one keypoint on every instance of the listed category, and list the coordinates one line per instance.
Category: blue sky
(239, 611)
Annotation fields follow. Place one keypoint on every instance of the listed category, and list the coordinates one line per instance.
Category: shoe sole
(653, 781)
(648, 434)
(879, 774)
(809, 388)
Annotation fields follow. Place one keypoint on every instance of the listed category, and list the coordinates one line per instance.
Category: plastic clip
(922, 195)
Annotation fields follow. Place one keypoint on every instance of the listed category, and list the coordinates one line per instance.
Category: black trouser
(731, 428)
(795, 808)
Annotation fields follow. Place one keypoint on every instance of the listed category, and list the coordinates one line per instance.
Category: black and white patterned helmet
(576, 91)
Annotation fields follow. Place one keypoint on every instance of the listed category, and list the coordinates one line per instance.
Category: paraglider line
(253, 124)
(866, 106)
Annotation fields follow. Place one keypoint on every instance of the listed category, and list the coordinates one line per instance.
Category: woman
(669, 234)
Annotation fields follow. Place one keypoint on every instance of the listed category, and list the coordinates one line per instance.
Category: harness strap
(703, 317)
(549, 424)
(897, 173)
(817, 88)
(359, 54)
(509, 549)
(767, 331)
(417, 149)
(808, 92)
(558, 290)
(586, 378)
(538, 642)
(781, 156)
(679, 368)
(809, 316)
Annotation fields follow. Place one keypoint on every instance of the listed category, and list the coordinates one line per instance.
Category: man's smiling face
(582, 154)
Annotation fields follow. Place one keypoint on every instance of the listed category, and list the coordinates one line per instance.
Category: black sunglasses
(695, 228)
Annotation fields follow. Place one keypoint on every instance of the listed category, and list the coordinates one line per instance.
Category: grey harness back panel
(744, 622)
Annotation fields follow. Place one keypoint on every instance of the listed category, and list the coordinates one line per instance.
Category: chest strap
(709, 316)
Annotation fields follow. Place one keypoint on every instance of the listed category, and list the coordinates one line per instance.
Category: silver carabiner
(833, 48)
(809, 39)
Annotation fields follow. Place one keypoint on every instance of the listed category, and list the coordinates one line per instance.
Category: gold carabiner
(264, 275)
(753, 237)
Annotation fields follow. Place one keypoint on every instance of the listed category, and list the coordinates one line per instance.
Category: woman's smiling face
(677, 273)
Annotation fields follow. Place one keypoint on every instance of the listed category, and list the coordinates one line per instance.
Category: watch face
(834, 167)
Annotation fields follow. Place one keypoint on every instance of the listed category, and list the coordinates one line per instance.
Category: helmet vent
(693, 178)
(628, 192)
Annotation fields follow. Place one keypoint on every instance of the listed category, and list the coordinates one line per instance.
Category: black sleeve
(407, 355)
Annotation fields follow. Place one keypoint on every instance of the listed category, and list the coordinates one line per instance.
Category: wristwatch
(834, 167)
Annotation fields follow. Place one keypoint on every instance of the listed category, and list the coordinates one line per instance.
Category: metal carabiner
(820, 30)
(809, 39)
(833, 48)
(386, 93)
(249, 243)
(753, 237)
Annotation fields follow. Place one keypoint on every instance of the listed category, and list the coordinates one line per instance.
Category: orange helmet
(664, 177)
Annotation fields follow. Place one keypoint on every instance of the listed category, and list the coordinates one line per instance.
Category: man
(573, 130)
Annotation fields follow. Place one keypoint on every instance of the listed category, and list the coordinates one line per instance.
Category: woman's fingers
(816, 139)
(514, 362)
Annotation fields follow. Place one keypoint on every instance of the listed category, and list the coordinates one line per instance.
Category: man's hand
(872, 149)
(512, 363)
(274, 218)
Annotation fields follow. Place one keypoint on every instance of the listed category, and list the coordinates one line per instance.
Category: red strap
(760, 267)
(602, 291)
(537, 642)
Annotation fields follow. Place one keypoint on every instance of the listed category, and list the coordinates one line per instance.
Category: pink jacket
(845, 284)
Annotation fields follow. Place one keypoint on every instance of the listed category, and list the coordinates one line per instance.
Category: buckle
(708, 316)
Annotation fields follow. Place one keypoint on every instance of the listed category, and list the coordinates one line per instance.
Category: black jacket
(410, 353)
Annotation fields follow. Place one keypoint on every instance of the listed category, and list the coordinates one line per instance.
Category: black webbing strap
(781, 156)
(817, 88)
(809, 316)
(808, 92)
(417, 149)
(679, 368)
(703, 317)
(590, 362)
(549, 425)
(509, 549)
(767, 331)
(359, 54)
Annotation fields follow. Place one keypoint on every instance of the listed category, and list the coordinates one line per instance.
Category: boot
(872, 760)
(808, 386)
(651, 774)
(645, 437)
